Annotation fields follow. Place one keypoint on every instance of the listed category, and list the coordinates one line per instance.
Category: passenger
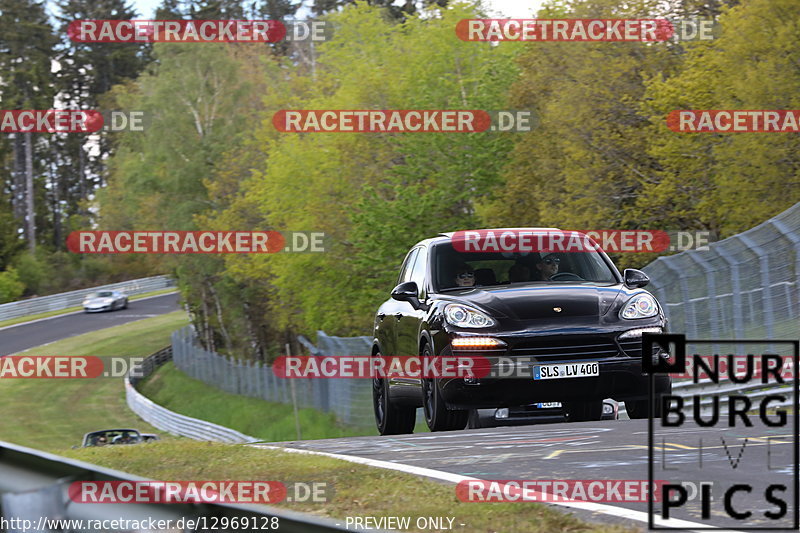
(519, 272)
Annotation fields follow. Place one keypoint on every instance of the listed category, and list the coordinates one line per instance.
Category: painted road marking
(603, 508)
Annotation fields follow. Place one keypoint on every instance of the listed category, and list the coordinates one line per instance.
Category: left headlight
(640, 306)
(467, 317)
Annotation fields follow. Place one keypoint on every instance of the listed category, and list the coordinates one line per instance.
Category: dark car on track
(568, 321)
(109, 437)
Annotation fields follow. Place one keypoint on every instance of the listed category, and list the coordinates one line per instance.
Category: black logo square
(673, 344)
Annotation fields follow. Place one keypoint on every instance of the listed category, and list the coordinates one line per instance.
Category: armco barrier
(166, 420)
(65, 300)
(34, 486)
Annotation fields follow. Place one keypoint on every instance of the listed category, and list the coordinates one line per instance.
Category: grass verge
(48, 314)
(269, 421)
(358, 490)
(53, 414)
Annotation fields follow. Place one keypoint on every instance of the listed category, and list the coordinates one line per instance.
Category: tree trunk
(30, 213)
(18, 196)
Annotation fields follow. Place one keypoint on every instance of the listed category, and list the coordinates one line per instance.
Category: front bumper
(620, 379)
(97, 308)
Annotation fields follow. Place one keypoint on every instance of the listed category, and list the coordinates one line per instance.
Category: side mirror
(635, 278)
(407, 292)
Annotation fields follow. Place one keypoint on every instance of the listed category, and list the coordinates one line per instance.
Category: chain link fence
(350, 400)
(743, 287)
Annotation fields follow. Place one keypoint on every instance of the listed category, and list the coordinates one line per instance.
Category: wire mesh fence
(743, 287)
(350, 400)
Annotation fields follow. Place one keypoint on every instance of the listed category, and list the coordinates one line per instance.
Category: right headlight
(466, 317)
(642, 305)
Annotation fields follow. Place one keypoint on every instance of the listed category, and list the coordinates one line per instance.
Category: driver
(547, 266)
(465, 276)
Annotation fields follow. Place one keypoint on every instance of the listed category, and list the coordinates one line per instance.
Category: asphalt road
(609, 450)
(21, 337)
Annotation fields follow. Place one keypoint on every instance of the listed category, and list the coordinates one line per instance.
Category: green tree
(729, 182)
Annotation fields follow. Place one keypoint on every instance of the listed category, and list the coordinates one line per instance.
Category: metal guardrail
(34, 486)
(167, 420)
(65, 300)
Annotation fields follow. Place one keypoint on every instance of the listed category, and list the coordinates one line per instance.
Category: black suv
(568, 322)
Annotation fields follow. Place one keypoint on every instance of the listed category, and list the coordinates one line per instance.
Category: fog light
(477, 342)
(608, 409)
(501, 413)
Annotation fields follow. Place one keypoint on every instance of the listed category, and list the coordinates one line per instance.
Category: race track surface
(608, 450)
(21, 337)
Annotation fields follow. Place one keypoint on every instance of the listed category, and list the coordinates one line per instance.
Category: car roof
(112, 429)
(451, 233)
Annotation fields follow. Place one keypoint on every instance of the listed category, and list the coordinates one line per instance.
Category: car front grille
(633, 347)
(568, 348)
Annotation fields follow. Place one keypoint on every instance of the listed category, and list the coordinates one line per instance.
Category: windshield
(102, 294)
(453, 269)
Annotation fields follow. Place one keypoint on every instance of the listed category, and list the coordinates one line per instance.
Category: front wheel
(437, 415)
(391, 419)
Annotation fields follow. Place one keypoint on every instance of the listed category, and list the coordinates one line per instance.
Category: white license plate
(566, 370)
(549, 405)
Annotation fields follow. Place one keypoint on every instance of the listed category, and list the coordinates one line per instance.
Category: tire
(437, 415)
(125, 304)
(390, 419)
(590, 411)
(637, 409)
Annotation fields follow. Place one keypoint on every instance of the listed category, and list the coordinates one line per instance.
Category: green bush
(33, 271)
(11, 288)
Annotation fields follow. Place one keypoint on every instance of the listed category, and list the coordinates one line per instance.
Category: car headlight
(466, 317)
(640, 306)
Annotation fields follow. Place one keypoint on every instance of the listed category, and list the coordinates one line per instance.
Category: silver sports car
(105, 301)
